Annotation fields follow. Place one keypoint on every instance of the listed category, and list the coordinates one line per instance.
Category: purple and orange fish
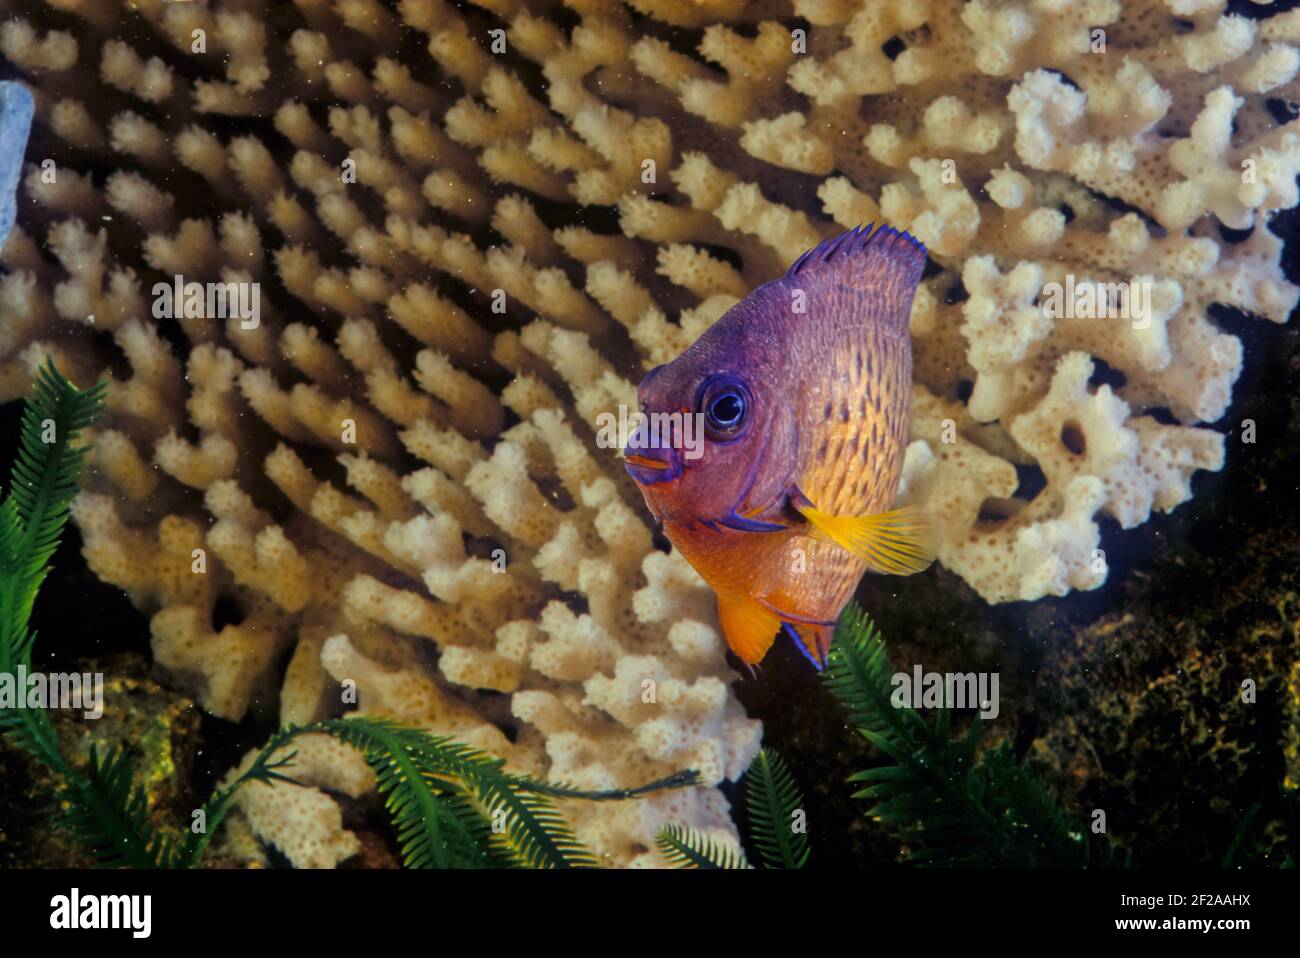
(803, 390)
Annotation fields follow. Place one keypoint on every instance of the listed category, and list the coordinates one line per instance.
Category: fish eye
(725, 406)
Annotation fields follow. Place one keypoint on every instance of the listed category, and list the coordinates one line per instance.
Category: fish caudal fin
(748, 628)
(898, 542)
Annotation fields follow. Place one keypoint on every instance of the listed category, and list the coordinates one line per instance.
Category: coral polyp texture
(473, 228)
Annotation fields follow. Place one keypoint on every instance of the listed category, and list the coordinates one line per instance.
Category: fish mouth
(645, 462)
(652, 466)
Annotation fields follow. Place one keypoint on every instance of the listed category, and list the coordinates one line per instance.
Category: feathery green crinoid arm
(454, 806)
(108, 813)
(266, 768)
(775, 810)
(687, 848)
(105, 809)
(682, 779)
(772, 801)
(947, 804)
(45, 479)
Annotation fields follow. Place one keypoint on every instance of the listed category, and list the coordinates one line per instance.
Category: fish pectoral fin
(748, 628)
(899, 542)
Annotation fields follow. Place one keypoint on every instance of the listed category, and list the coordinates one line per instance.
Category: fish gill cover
(442, 239)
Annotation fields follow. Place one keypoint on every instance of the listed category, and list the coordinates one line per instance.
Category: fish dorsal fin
(748, 628)
(884, 244)
(898, 542)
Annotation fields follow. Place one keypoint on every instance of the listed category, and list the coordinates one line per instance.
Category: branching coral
(473, 228)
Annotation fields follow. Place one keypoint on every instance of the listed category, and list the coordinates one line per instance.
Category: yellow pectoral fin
(749, 628)
(898, 542)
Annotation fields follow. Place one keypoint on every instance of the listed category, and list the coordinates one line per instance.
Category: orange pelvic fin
(898, 542)
(749, 628)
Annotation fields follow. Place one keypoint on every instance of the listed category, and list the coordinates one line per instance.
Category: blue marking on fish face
(743, 524)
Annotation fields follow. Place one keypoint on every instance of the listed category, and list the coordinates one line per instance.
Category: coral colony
(441, 323)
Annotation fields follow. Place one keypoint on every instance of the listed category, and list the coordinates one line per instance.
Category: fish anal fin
(748, 628)
(899, 542)
(814, 641)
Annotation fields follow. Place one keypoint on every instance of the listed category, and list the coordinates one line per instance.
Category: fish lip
(645, 462)
(652, 466)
